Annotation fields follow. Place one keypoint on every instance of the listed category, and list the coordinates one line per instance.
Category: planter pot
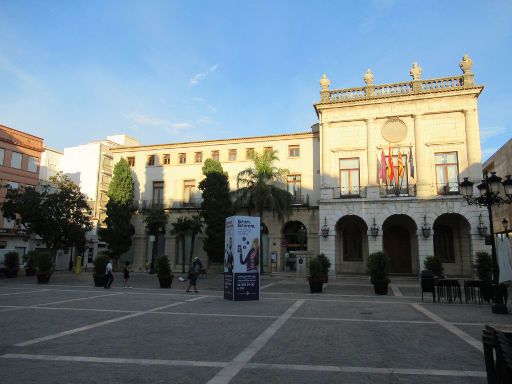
(165, 282)
(30, 271)
(43, 278)
(380, 287)
(315, 285)
(11, 273)
(99, 280)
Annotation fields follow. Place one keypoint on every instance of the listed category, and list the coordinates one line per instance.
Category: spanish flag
(390, 167)
(400, 165)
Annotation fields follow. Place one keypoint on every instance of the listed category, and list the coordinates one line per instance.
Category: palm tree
(156, 220)
(257, 188)
(182, 227)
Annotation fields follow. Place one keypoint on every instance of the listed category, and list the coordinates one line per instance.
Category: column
(422, 167)
(473, 149)
(370, 152)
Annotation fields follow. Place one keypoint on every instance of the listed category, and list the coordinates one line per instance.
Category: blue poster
(242, 258)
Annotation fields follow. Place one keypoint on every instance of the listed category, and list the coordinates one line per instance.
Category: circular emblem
(394, 130)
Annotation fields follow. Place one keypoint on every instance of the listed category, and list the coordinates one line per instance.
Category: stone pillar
(473, 149)
(324, 155)
(422, 169)
(372, 186)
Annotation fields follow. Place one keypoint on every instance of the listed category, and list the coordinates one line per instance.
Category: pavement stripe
(364, 320)
(366, 370)
(111, 360)
(450, 327)
(217, 364)
(267, 285)
(79, 299)
(396, 290)
(227, 373)
(24, 292)
(95, 325)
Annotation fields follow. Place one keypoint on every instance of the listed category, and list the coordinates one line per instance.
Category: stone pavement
(71, 332)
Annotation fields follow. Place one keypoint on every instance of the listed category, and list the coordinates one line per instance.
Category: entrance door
(397, 245)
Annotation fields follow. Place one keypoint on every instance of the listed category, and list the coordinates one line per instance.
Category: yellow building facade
(380, 171)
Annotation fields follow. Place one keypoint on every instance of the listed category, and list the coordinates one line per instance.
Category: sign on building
(242, 258)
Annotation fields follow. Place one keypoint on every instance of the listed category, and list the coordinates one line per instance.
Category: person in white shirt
(109, 277)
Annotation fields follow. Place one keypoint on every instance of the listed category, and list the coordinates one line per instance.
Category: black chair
(448, 289)
(472, 291)
(428, 284)
(503, 358)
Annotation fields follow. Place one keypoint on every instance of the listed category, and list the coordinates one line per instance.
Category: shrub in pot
(434, 265)
(483, 269)
(164, 272)
(12, 263)
(30, 265)
(377, 266)
(44, 265)
(100, 265)
(318, 272)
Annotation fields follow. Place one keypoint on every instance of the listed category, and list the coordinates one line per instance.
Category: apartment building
(20, 154)
(169, 175)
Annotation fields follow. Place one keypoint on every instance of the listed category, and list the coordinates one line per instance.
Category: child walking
(126, 274)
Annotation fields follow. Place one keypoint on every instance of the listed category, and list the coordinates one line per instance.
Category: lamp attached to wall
(425, 228)
(482, 229)
(374, 229)
(325, 229)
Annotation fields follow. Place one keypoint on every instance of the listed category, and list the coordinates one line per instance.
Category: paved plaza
(71, 332)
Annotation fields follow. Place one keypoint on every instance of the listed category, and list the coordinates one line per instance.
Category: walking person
(126, 274)
(109, 277)
(194, 270)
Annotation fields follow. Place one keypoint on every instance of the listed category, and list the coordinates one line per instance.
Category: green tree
(57, 212)
(186, 226)
(215, 207)
(119, 231)
(257, 189)
(155, 218)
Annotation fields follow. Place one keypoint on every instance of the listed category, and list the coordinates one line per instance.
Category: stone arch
(294, 235)
(351, 244)
(400, 243)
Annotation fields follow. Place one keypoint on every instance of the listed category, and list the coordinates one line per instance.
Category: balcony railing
(300, 200)
(167, 204)
(451, 188)
(348, 192)
(392, 191)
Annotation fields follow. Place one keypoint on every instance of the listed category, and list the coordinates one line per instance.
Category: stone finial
(466, 64)
(415, 71)
(325, 82)
(368, 77)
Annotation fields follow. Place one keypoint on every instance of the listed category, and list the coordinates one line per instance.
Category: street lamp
(425, 228)
(374, 229)
(489, 195)
(325, 229)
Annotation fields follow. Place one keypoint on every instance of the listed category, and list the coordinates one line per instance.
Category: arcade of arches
(401, 238)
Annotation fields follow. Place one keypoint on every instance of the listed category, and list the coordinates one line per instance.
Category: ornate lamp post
(489, 195)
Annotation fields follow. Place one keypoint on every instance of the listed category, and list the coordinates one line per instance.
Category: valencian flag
(390, 167)
(382, 167)
(411, 163)
(400, 164)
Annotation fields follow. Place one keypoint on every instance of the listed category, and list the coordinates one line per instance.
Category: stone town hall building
(348, 200)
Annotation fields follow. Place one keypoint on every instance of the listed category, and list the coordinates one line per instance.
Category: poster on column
(242, 258)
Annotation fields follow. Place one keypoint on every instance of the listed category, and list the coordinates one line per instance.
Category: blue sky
(170, 71)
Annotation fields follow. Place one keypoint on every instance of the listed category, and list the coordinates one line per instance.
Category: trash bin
(78, 265)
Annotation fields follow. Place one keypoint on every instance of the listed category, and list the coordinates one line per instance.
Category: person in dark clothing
(109, 277)
(194, 271)
(126, 274)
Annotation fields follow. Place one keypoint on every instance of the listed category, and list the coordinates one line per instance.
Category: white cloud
(152, 121)
(209, 106)
(488, 132)
(202, 75)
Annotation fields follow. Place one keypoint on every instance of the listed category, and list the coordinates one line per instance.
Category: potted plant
(483, 269)
(434, 265)
(377, 266)
(318, 272)
(12, 261)
(30, 265)
(164, 272)
(100, 265)
(44, 266)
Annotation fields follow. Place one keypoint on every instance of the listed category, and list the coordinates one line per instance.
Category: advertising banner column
(242, 258)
